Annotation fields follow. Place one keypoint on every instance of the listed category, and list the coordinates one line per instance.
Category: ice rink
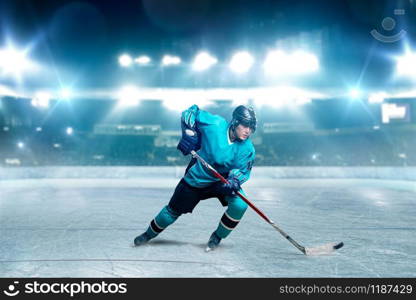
(57, 227)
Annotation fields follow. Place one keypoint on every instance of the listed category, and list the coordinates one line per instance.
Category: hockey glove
(231, 187)
(188, 117)
(190, 140)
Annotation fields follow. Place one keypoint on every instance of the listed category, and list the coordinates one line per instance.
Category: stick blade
(324, 249)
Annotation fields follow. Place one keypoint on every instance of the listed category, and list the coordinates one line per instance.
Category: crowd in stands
(354, 148)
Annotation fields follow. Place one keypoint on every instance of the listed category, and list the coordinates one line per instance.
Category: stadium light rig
(125, 60)
(315, 156)
(241, 62)
(355, 94)
(203, 61)
(169, 60)
(143, 60)
(274, 62)
(14, 62)
(280, 63)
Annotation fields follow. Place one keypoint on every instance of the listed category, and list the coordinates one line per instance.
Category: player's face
(243, 132)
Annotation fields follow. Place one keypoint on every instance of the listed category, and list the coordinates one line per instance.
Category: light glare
(203, 61)
(241, 62)
(65, 93)
(406, 65)
(170, 60)
(129, 96)
(279, 63)
(125, 60)
(14, 62)
(69, 131)
(355, 93)
(377, 97)
(41, 99)
(143, 60)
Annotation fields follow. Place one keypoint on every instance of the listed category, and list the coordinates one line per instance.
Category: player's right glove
(231, 187)
(190, 140)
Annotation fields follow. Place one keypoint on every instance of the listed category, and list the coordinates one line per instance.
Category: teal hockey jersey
(216, 148)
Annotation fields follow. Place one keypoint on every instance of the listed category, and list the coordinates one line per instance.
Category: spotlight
(14, 62)
(241, 62)
(275, 62)
(303, 62)
(203, 61)
(315, 156)
(355, 93)
(170, 60)
(69, 131)
(402, 155)
(143, 60)
(20, 145)
(65, 93)
(125, 60)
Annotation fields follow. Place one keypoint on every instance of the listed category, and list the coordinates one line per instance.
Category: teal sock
(163, 219)
(231, 217)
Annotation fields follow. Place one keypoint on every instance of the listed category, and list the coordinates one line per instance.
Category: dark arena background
(91, 95)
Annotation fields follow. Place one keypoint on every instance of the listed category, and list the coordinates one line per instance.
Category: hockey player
(227, 147)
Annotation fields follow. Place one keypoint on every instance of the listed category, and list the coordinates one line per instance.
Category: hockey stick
(318, 250)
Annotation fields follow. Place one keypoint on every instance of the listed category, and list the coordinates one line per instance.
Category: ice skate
(213, 242)
(142, 239)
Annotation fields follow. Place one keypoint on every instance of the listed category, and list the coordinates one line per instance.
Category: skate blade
(208, 249)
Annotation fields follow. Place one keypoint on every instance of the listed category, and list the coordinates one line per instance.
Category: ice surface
(85, 228)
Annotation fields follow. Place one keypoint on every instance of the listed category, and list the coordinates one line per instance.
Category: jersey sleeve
(245, 164)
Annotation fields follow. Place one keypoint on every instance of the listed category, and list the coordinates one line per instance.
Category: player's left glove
(190, 140)
(231, 187)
